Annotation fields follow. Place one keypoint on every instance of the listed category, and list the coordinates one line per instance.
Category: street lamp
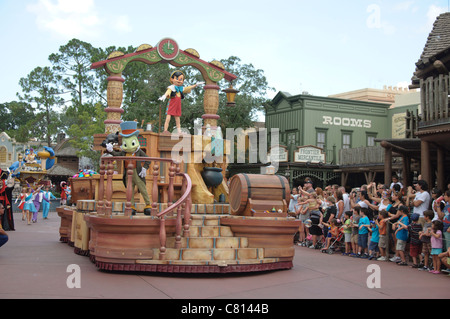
(231, 95)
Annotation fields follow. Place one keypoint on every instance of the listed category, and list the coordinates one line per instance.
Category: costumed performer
(29, 207)
(131, 147)
(63, 199)
(6, 188)
(3, 235)
(46, 203)
(175, 93)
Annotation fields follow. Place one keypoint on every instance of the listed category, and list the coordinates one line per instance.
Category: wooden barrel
(270, 188)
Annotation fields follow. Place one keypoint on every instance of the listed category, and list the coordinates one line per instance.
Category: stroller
(321, 242)
(336, 243)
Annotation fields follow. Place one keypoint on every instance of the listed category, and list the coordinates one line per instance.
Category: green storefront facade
(336, 127)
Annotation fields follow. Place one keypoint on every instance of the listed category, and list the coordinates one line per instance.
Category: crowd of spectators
(405, 225)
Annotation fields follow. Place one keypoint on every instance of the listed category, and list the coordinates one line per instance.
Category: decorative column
(115, 97)
(211, 105)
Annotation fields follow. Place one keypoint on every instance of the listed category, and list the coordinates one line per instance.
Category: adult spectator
(422, 199)
(346, 198)
(395, 181)
(308, 186)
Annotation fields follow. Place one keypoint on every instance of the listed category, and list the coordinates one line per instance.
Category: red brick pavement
(34, 265)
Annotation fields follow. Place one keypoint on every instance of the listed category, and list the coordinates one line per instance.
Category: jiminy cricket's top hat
(129, 128)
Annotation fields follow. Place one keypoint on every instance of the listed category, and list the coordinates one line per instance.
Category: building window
(291, 139)
(3, 152)
(346, 140)
(371, 139)
(321, 139)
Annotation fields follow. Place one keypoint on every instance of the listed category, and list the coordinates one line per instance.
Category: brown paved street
(34, 265)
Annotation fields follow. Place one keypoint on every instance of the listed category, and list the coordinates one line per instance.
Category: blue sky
(323, 47)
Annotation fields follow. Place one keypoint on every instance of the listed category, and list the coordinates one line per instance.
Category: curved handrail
(182, 198)
(185, 198)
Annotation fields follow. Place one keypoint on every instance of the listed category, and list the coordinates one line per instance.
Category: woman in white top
(383, 202)
(339, 205)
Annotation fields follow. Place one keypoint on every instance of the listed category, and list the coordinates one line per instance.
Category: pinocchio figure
(175, 93)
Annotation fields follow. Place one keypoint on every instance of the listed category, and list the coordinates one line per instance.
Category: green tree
(40, 89)
(13, 116)
(82, 135)
(252, 97)
(72, 63)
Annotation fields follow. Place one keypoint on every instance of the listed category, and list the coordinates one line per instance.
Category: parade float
(31, 169)
(184, 216)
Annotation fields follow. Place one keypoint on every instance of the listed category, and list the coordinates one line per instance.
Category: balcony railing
(435, 100)
(361, 155)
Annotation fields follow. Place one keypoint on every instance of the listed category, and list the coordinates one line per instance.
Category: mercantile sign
(310, 154)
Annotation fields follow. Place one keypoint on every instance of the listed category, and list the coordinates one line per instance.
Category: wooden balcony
(361, 156)
(435, 102)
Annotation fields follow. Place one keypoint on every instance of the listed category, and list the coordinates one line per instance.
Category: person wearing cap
(415, 244)
(131, 147)
(307, 188)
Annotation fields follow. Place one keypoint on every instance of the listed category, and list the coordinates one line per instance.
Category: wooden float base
(195, 269)
(217, 243)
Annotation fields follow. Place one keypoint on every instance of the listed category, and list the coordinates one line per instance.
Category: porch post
(425, 168)
(387, 165)
(440, 168)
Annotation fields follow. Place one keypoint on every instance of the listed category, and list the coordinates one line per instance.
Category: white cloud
(433, 12)
(403, 6)
(388, 28)
(74, 19)
(122, 24)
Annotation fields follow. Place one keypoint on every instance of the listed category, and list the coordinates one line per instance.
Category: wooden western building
(337, 140)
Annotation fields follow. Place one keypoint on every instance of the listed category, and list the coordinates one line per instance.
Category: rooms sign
(347, 122)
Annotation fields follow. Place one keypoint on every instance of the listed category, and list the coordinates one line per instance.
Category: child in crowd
(425, 238)
(301, 210)
(333, 232)
(381, 222)
(293, 201)
(348, 232)
(363, 233)
(415, 245)
(355, 221)
(374, 240)
(401, 234)
(445, 260)
(436, 245)
(329, 214)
